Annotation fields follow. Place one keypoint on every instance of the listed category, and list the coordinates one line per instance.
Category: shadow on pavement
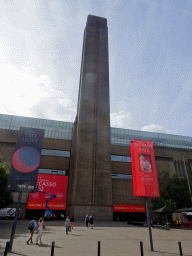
(18, 254)
(80, 230)
(171, 253)
(47, 245)
(98, 228)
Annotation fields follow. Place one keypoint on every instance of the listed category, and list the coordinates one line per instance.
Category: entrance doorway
(129, 216)
(31, 213)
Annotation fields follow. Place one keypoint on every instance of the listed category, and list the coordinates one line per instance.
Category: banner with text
(26, 160)
(129, 208)
(52, 184)
(145, 183)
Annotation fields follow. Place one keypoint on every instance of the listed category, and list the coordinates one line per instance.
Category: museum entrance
(129, 216)
(37, 213)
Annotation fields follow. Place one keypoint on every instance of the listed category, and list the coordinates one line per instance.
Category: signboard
(41, 205)
(53, 184)
(26, 160)
(129, 208)
(145, 183)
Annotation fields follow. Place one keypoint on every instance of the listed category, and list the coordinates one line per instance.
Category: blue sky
(150, 60)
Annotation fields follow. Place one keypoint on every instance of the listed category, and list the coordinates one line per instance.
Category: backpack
(30, 226)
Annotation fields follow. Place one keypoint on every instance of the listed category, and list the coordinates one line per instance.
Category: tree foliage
(6, 197)
(174, 192)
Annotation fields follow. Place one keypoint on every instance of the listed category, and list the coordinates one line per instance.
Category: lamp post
(187, 176)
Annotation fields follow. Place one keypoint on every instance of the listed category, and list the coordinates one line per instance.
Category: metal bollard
(99, 248)
(141, 247)
(6, 248)
(180, 249)
(52, 248)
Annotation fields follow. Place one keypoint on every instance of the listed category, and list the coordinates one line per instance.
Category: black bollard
(6, 248)
(99, 248)
(52, 248)
(141, 247)
(180, 249)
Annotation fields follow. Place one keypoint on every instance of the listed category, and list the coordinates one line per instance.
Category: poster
(26, 160)
(145, 183)
(52, 184)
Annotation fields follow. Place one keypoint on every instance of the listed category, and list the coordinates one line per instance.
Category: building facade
(56, 159)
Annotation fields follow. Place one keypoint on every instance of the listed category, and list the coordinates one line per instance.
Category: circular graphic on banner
(26, 159)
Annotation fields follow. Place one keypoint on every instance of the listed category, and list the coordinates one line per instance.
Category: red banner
(53, 184)
(145, 183)
(41, 205)
(129, 208)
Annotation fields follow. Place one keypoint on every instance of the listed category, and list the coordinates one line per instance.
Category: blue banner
(26, 160)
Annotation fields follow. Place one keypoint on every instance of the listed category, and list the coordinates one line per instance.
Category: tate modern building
(87, 164)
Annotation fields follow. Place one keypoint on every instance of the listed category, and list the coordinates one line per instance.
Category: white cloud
(121, 119)
(20, 89)
(54, 110)
(157, 128)
(29, 71)
(58, 106)
(22, 93)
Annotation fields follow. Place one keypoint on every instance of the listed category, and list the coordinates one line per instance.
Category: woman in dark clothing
(72, 222)
(91, 221)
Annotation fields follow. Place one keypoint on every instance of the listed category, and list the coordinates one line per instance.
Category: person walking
(91, 221)
(87, 220)
(32, 225)
(72, 222)
(40, 227)
(67, 224)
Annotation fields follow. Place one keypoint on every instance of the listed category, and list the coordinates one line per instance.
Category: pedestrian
(72, 222)
(91, 221)
(40, 227)
(32, 225)
(87, 220)
(67, 224)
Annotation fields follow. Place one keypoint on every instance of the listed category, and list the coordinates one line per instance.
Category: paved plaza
(117, 238)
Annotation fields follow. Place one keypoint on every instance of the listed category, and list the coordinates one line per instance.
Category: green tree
(174, 192)
(180, 192)
(165, 189)
(6, 197)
